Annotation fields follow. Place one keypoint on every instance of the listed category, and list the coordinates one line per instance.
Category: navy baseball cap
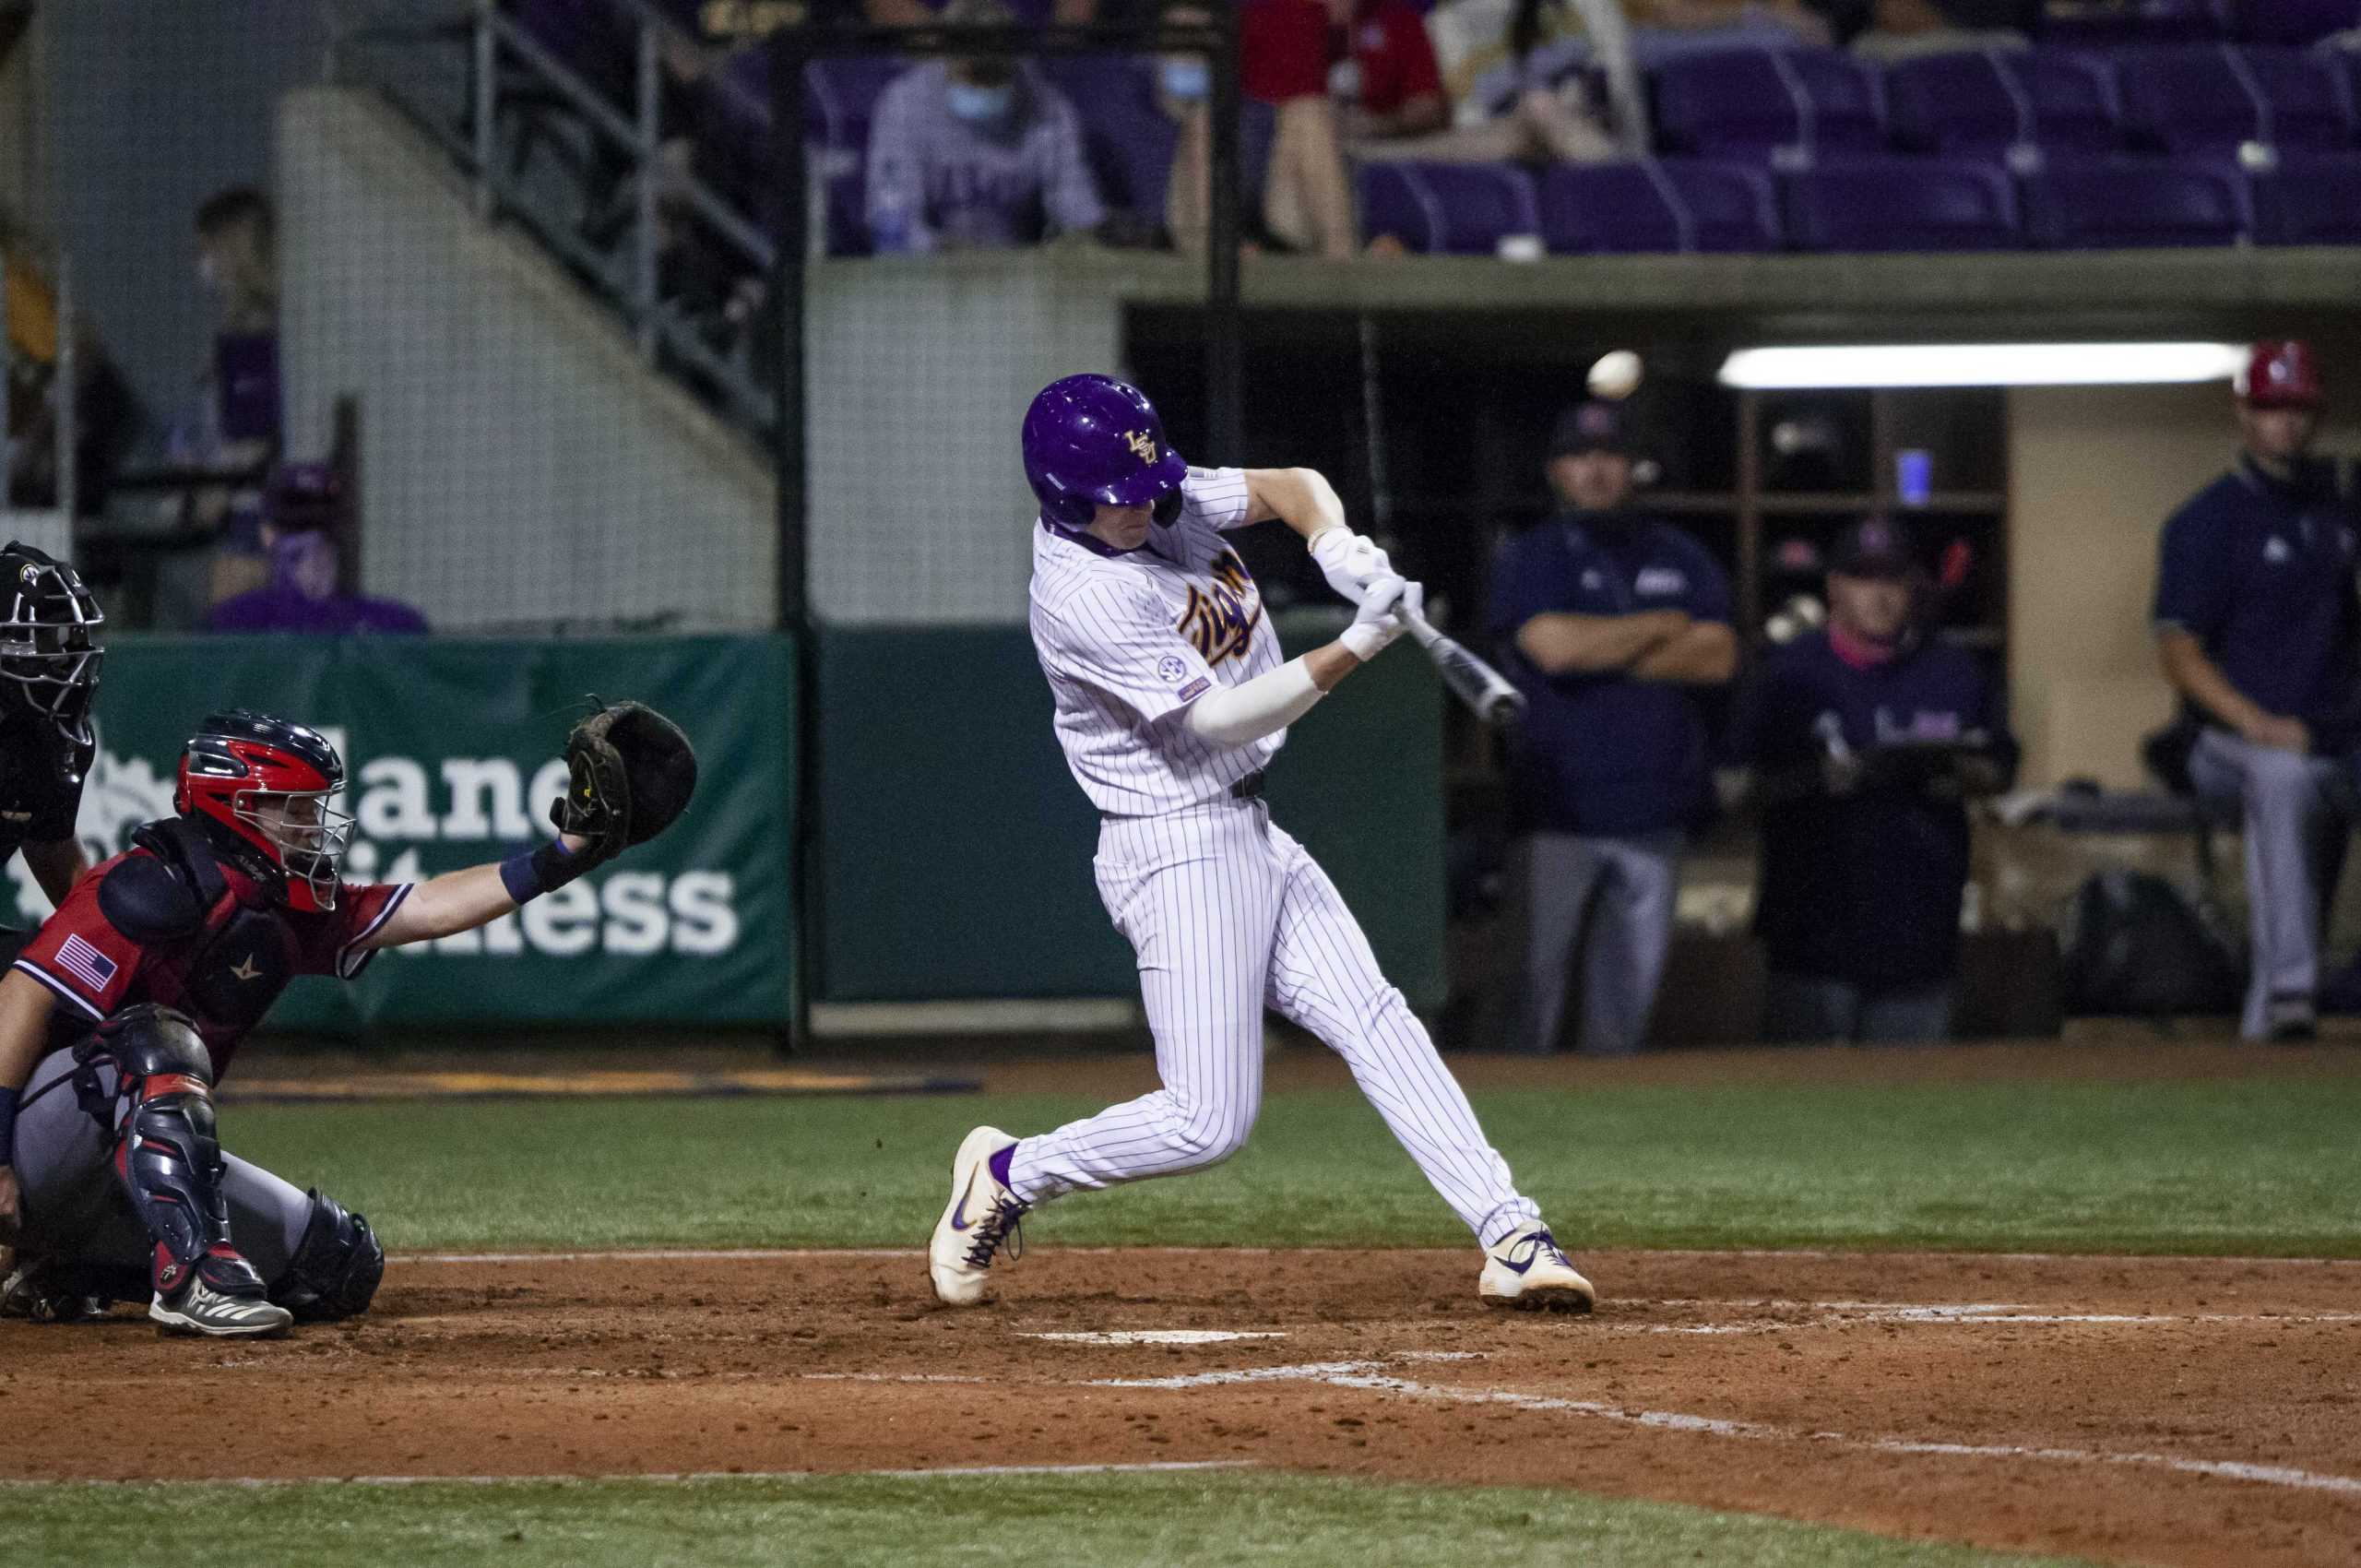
(1593, 426)
(1872, 547)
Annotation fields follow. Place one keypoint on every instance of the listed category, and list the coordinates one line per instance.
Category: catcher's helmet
(2281, 373)
(261, 787)
(49, 644)
(1092, 439)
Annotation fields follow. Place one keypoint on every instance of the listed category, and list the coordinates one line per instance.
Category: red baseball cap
(2280, 373)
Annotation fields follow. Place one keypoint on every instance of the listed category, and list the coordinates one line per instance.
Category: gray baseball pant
(1611, 898)
(2297, 815)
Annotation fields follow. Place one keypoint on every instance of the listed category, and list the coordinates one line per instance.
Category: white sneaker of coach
(1528, 1272)
(980, 1219)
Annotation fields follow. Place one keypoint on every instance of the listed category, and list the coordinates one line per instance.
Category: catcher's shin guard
(337, 1266)
(166, 1154)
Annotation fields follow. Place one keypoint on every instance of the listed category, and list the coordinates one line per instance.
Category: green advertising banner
(452, 757)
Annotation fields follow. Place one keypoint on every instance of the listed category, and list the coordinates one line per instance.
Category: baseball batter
(1171, 699)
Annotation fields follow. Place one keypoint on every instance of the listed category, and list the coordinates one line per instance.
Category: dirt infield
(2151, 1410)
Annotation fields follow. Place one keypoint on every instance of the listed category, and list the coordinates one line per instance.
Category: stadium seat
(1902, 204)
(2310, 201)
(2295, 21)
(1672, 203)
(2136, 22)
(2212, 98)
(1446, 208)
(845, 92)
(1985, 102)
(1130, 140)
(1788, 106)
(2126, 202)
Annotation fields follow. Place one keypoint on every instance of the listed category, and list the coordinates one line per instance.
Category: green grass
(2248, 1166)
(853, 1522)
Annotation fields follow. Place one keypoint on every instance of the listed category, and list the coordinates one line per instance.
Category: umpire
(2255, 629)
(1864, 739)
(1611, 623)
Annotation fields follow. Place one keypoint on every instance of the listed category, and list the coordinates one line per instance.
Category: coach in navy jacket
(1864, 739)
(1611, 623)
(2255, 629)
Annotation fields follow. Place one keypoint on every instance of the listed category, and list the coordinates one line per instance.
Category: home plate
(1157, 1336)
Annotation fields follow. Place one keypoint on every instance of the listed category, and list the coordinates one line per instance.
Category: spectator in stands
(1532, 104)
(232, 427)
(1912, 29)
(302, 508)
(1612, 624)
(1531, 60)
(1283, 61)
(975, 153)
(32, 356)
(1863, 739)
(2255, 629)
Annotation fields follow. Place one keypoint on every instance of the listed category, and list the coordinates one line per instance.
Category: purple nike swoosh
(1515, 1267)
(959, 1210)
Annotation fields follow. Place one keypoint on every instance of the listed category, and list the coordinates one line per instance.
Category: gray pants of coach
(2297, 811)
(1805, 1009)
(1611, 899)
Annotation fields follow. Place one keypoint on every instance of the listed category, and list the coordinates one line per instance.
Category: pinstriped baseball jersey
(1129, 639)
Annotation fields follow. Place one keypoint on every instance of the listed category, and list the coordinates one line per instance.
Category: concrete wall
(520, 465)
(920, 374)
(2095, 473)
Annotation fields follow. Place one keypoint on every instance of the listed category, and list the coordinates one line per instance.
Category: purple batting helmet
(1090, 439)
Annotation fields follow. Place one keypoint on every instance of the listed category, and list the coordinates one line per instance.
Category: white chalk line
(1151, 1336)
(770, 1255)
(948, 1472)
(1367, 1375)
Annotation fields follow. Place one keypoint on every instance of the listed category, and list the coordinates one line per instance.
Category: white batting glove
(1349, 561)
(1379, 621)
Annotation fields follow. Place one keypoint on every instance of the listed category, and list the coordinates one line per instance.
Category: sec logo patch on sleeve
(1195, 688)
(1173, 667)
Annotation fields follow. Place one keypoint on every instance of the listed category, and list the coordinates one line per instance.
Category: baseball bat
(1468, 678)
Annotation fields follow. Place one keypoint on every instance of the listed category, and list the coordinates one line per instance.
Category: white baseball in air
(1616, 375)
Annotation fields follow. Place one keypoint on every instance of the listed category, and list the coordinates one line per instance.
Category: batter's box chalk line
(1151, 1336)
(1368, 1375)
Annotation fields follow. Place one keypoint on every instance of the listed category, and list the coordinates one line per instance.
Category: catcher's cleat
(222, 1299)
(1528, 1273)
(34, 1293)
(981, 1218)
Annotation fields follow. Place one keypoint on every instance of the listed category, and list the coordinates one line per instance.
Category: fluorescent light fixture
(1982, 364)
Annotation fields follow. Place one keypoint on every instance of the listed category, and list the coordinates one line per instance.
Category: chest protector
(178, 897)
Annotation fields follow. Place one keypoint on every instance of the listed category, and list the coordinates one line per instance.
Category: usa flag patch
(85, 963)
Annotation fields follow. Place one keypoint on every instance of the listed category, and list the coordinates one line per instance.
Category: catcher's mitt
(631, 773)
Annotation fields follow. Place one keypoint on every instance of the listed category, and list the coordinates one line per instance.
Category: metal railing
(492, 62)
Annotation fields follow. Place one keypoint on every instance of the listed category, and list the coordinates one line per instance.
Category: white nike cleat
(1528, 1273)
(980, 1219)
(196, 1307)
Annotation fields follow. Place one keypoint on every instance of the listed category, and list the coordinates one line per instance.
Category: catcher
(126, 1006)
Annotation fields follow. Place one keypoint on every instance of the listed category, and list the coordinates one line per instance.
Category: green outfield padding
(955, 848)
(1205, 1519)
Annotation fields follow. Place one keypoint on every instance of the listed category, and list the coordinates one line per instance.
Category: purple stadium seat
(2310, 200)
(2213, 98)
(1672, 203)
(1902, 204)
(2137, 22)
(1130, 141)
(2120, 203)
(1784, 105)
(845, 92)
(1984, 102)
(1448, 208)
(2295, 21)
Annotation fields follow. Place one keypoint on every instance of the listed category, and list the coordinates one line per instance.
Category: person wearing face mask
(1864, 738)
(976, 154)
(2255, 622)
(301, 507)
(1613, 625)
